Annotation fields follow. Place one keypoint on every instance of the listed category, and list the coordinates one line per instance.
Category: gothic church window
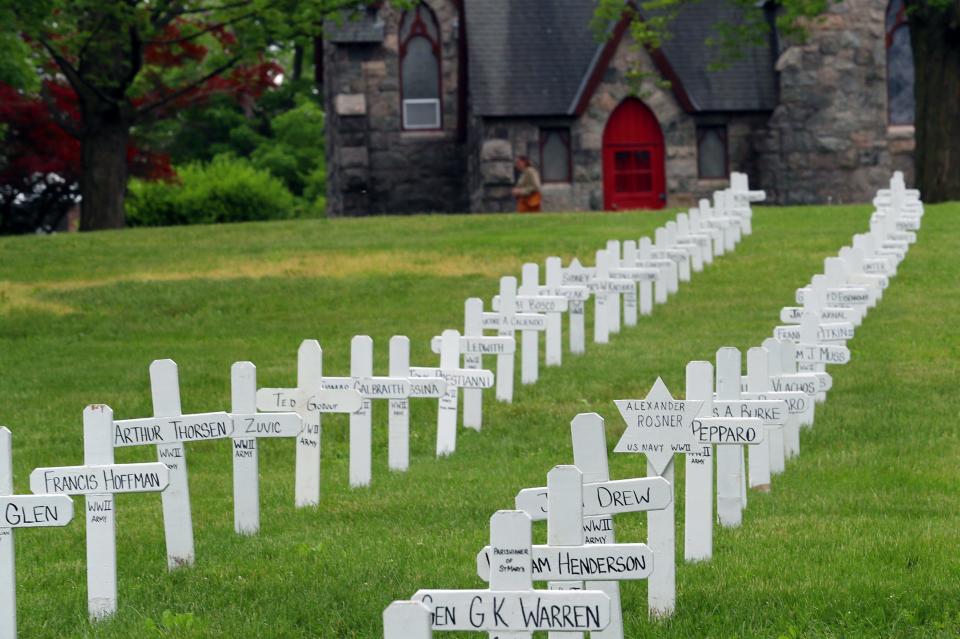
(555, 164)
(900, 70)
(712, 152)
(420, 79)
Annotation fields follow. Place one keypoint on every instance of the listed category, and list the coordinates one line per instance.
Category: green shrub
(224, 190)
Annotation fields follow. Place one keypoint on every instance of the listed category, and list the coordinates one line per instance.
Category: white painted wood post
(590, 456)
(361, 428)
(101, 516)
(662, 250)
(698, 505)
(398, 427)
(473, 397)
(602, 299)
(730, 478)
(758, 380)
(630, 298)
(613, 302)
(447, 407)
(662, 540)
(407, 620)
(309, 380)
(777, 436)
(530, 339)
(508, 302)
(8, 572)
(177, 518)
(511, 529)
(246, 467)
(565, 522)
(554, 334)
(577, 275)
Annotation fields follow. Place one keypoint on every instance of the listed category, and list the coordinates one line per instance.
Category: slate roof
(533, 57)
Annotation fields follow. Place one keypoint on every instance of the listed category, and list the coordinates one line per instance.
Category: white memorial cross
(691, 249)
(248, 427)
(575, 296)
(799, 402)
(728, 225)
(309, 399)
(531, 299)
(169, 430)
(506, 322)
(20, 511)
(686, 235)
(565, 561)
(857, 274)
(577, 275)
(604, 289)
(667, 279)
(789, 380)
(811, 352)
(473, 346)
(731, 480)
(767, 458)
(634, 275)
(614, 259)
(659, 426)
(511, 608)
(99, 479)
(729, 425)
(742, 195)
(455, 379)
(663, 251)
(361, 379)
(407, 620)
(837, 273)
(873, 263)
(723, 207)
(699, 225)
(398, 423)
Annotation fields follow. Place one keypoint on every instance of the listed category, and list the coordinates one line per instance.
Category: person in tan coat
(527, 190)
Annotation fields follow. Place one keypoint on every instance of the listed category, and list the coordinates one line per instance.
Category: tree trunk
(103, 181)
(935, 38)
(297, 62)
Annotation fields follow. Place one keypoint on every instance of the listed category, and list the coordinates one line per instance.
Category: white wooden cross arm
(454, 378)
(99, 479)
(248, 427)
(511, 608)
(20, 511)
(309, 400)
(169, 430)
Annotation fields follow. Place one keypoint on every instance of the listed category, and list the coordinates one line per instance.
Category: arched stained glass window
(900, 70)
(420, 79)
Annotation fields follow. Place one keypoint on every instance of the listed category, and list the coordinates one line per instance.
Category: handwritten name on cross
(99, 479)
(248, 427)
(511, 608)
(455, 378)
(20, 511)
(169, 429)
(309, 400)
(506, 322)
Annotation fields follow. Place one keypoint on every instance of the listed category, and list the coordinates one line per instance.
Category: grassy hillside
(858, 538)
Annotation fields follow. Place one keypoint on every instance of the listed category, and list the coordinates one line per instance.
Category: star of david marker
(657, 426)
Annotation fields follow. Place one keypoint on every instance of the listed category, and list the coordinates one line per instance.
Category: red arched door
(633, 165)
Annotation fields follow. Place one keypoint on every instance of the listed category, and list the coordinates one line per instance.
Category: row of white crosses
(763, 410)
(681, 246)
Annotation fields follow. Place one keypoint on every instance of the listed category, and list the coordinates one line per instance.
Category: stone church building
(428, 107)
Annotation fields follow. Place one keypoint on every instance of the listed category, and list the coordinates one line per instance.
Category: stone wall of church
(828, 140)
(373, 165)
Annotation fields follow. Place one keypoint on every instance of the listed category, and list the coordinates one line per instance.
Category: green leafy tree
(935, 36)
(130, 61)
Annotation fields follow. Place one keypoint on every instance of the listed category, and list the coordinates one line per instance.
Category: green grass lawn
(859, 538)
